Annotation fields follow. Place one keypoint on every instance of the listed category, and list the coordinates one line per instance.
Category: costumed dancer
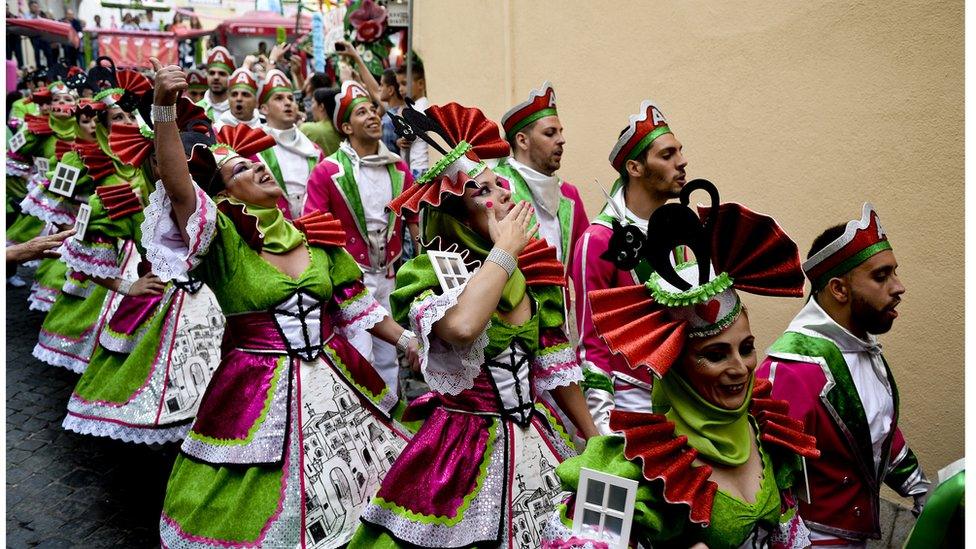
(69, 333)
(196, 81)
(294, 155)
(220, 65)
(243, 102)
(719, 465)
(479, 472)
(648, 159)
(829, 365)
(355, 184)
(533, 130)
(43, 140)
(156, 353)
(294, 432)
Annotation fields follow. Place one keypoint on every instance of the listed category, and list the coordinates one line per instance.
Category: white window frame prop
(63, 173)
(450, 268)
(17, 141)
(626, 515)
(42, 164)
(81, 222)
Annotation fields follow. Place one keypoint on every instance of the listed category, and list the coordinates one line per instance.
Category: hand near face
(513, 232)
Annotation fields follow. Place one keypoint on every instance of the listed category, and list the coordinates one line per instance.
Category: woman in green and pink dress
(481, 470)
(156, 353)
(294, 432)
(89, 292)
(720, 461)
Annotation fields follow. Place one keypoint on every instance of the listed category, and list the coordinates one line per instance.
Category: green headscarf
(280, 236)
(438, 223)
(720, 435)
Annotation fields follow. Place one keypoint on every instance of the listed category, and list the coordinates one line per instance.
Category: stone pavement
(66, 489)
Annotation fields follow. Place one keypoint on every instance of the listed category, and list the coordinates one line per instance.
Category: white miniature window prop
(81, 221)
(604, 507)
(17, 141)
(42, 164)
(64, 180)
(450, 268)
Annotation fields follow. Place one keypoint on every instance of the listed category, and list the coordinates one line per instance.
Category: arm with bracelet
(463, 323)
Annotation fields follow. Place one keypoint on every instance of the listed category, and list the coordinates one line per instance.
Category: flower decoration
(369, 21)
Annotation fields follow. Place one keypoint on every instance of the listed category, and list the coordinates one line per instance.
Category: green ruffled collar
(278, 234)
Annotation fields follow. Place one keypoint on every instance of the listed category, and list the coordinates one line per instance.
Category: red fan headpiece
(734, 248)
(42, 96)
(469, 137)
(133, 144)
(232, 141)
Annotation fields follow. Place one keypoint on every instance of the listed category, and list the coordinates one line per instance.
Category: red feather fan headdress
(470, 137)
(232, 141)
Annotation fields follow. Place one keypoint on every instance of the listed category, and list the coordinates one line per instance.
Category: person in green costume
(156, 353)
(294, 432)
(718, 461)
(70, 330)
(479, 472)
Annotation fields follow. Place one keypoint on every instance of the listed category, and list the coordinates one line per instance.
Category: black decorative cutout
(102, 77)
(522, 413)
(673, 225)
(625, 247)
(412, 123)
(306, 305)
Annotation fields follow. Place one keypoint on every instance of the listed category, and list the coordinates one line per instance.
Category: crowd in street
(244, 257)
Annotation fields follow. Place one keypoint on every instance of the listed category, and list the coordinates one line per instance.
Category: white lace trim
(35, 304)
(359, 314)
(125, 433)
(446, 368)
(101, 261)
(167, 252)
(48, 356)
(42, 205)
(555, 535)
(556, 369)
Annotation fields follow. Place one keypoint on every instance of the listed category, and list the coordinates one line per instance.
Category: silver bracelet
(125, 286)
(404, 340)
(163, 113)
(503, 259)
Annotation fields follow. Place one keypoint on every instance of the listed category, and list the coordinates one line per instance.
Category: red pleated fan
(120, 200)
(776, 426)
(755, 251)
(432, 194)
(637, 328)
(38, 125)
(667, 458)
(133, 81)
(244, 140)
(129, 145)
(540, 265)
(98, 164)
(62, 147)
(322, 229)
(472, 126)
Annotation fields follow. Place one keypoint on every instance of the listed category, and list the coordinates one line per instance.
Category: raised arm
(369, 81)
(464, 322)
(173, 169)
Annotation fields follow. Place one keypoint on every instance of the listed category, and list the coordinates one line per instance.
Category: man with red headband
(220, 65)
(648, 159)
(243, 102)
(829, 365)
(294, 155)
(355, 184)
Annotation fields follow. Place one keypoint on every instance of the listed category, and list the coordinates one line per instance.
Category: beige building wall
(802, 110)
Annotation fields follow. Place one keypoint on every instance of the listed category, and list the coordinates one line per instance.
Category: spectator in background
(178, 24)
(129, 23)
(73, 55)
(98, 21)
(393, 102)
(414, 152)
(13, 44)
(314, 82)
(321, 131)
(149, 23)
(136, 22)
(41, 46)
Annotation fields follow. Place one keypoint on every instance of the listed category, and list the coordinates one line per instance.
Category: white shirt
(373, 179)
(545, 197)
(417, 153)
(293, 150)
(864, 362)
(218, 108)
(227, 118)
